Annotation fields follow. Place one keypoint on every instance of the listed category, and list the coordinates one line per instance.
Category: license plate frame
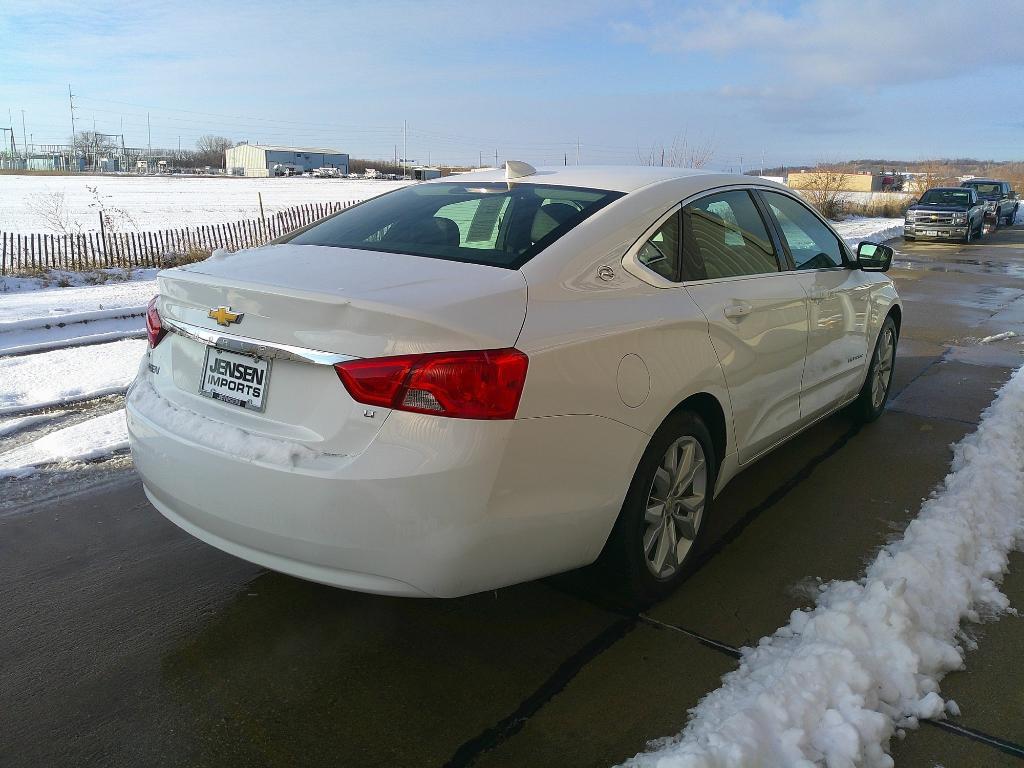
(931, 233)
(244, 399)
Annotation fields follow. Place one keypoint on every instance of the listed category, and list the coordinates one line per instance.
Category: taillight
(482, 384)
(154, 328)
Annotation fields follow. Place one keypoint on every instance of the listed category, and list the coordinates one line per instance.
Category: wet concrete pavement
(126, 642)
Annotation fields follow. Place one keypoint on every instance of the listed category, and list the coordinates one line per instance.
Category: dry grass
(887, 206)
(191, 256)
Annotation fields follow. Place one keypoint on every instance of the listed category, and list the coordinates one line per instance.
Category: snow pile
(998, 337)
(215, 434)
(91, 439)
(67, 375)
(877, 230)
(10, 426)
(834, 684)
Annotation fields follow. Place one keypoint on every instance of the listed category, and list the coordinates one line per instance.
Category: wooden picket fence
(93, 250)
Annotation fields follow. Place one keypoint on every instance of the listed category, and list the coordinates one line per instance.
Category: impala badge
(224, 315)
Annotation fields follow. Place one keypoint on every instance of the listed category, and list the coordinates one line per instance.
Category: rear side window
(498, 224)
(725, 236)
(661, 251)
(986, 188)
(811, 243)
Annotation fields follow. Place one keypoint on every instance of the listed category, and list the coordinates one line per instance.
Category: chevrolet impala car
(489, 378)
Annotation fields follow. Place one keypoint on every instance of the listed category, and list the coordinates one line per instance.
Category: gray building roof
(311, 150)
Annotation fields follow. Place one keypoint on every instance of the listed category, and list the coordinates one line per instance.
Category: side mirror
(873, 257)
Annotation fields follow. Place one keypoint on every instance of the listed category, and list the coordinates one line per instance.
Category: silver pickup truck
(946, 213)
(999, 199)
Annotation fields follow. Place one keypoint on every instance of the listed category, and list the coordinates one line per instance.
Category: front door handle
(737, 310)
(820, 294)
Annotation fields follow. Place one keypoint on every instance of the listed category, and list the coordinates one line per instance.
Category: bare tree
(825, 187)
(53, 210)
(933, 175)
(210, 150)
(90, 141)
(682, 153)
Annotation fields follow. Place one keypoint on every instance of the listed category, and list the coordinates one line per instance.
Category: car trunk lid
(341, 302)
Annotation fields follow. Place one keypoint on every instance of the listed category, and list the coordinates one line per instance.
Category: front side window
(498, 224)
(725, 236)
(661, 251)
(812, 244)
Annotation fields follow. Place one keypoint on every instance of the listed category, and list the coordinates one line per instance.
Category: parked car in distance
(460, 385)
(945, 213)
(998, 197)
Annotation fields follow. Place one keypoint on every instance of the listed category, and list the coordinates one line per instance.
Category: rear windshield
(946, 197)
(987, 188)
(501, 224)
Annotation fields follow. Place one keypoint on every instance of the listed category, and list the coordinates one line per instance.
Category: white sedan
(493, 377)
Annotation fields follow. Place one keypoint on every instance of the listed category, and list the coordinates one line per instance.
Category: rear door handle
(738, 309)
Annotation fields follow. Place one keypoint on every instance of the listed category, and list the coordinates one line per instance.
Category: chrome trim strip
(255, 347)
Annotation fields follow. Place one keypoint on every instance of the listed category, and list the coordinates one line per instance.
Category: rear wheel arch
(711, 412)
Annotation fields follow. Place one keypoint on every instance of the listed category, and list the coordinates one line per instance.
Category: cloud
(872, 43)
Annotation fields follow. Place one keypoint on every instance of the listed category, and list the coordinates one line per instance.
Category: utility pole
(405, 144)
(741, 165)
(577, 151)
(71, 101)
(24, 137)
(149, 140)
(481, 163)
(495, 158)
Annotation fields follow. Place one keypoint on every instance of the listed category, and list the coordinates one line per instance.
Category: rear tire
(659, 530)
(875, 393)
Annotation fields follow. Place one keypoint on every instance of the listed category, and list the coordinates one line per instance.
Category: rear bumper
(434, 507)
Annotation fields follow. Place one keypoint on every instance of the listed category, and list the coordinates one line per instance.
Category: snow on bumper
(434, 507)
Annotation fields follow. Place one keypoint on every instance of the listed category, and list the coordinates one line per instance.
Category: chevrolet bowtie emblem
(224, 316)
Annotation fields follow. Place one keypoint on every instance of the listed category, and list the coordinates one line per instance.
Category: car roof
(617, 178)
(983, 181)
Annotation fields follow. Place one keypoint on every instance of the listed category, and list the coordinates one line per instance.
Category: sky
(552, 81)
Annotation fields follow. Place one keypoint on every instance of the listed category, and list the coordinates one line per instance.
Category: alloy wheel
(883, 368)
(675, 506)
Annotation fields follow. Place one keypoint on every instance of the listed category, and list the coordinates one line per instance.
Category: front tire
(658, 531)
(875, 393)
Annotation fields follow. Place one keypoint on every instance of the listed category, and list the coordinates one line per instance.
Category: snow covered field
(156, 202)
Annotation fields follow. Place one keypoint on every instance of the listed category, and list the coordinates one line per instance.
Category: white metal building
(263, 160)
(425, 173)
